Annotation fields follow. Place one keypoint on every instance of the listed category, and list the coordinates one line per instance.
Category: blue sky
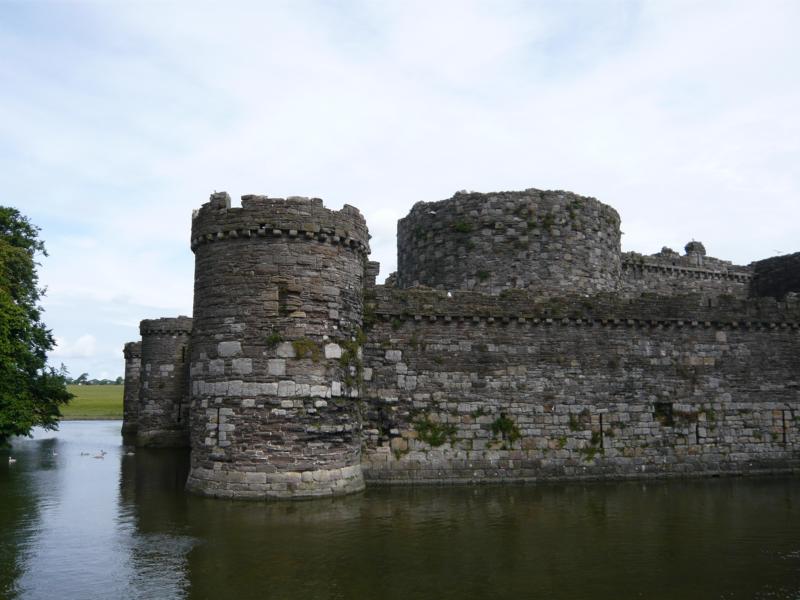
(118, 118)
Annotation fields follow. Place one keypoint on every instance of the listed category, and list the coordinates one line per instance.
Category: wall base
(289, 485)
(163, 438)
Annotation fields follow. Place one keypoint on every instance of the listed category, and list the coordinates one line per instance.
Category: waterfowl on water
(11, 461)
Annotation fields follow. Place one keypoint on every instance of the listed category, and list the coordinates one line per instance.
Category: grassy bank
(94, 402)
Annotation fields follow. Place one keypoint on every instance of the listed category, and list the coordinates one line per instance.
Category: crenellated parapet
(515, 308)
(291, 218)
(549, 242)
(166, 326)
(669, 274)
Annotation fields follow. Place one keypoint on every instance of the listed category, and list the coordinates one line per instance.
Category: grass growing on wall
(94, 402)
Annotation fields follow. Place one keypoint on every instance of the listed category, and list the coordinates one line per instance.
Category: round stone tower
(276, 354)
(164, 383)
(550, 242)
(130, 395)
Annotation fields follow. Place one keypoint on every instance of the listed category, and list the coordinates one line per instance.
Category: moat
(122, 526)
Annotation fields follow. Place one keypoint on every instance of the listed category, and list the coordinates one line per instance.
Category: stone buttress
(130, 396)
(164, 384)
(275, 363)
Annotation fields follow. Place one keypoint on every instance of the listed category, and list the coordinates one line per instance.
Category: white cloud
(116, 120)
(83, 347)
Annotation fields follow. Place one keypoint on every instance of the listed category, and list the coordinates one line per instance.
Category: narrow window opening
(783, 425)
(217, 436)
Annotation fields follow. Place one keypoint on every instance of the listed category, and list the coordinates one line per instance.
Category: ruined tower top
(292, 217)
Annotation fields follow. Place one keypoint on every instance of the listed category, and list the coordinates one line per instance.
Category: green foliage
(350, 361)
(562, 442)
(505, 428)
(483, 275)
(463, 226)
(434, 434)
(589, 452)
(273, 339)
(574, 424)
(31, 393)
(548, 221)
(306, 348)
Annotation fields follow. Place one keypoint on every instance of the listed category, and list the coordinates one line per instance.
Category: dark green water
(73, 526)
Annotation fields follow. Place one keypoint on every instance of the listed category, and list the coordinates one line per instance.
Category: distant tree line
(83, 379)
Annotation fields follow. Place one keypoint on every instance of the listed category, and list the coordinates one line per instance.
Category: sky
(117, 119)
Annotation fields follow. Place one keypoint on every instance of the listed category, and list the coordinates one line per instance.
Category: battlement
(669, 274)
(294, 217)
(132, 350)
(522, 308)
(547, 241)
(166, 325)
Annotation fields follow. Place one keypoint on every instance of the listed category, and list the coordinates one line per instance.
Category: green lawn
(94, 402)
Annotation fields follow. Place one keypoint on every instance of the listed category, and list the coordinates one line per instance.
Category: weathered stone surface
(548, 241)
(130, 394)
(776, 277)
(518, 387)
(163, 415)
(536, 351)
(278, 293)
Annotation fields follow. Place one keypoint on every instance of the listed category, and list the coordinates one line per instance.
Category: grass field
(94, 402)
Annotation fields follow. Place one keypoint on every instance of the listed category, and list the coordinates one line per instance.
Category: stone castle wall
(548, 242)
(668, 273)
(130, 394)
(163, 408)
(515, 342)
(471, 388)
(776, 277)
(277, 311)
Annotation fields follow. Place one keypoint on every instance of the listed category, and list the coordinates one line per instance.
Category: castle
(516, 342)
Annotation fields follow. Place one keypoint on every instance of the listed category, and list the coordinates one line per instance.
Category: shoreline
(88, 418)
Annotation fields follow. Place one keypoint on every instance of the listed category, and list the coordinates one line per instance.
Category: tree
(30, 391)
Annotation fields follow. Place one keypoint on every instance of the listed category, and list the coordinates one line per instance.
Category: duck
(12, 460)
(98, 456)
(84, 454)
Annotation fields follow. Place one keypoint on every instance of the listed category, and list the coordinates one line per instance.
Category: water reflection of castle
(515, 343)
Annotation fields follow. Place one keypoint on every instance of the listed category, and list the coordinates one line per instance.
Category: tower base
(288, 485)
